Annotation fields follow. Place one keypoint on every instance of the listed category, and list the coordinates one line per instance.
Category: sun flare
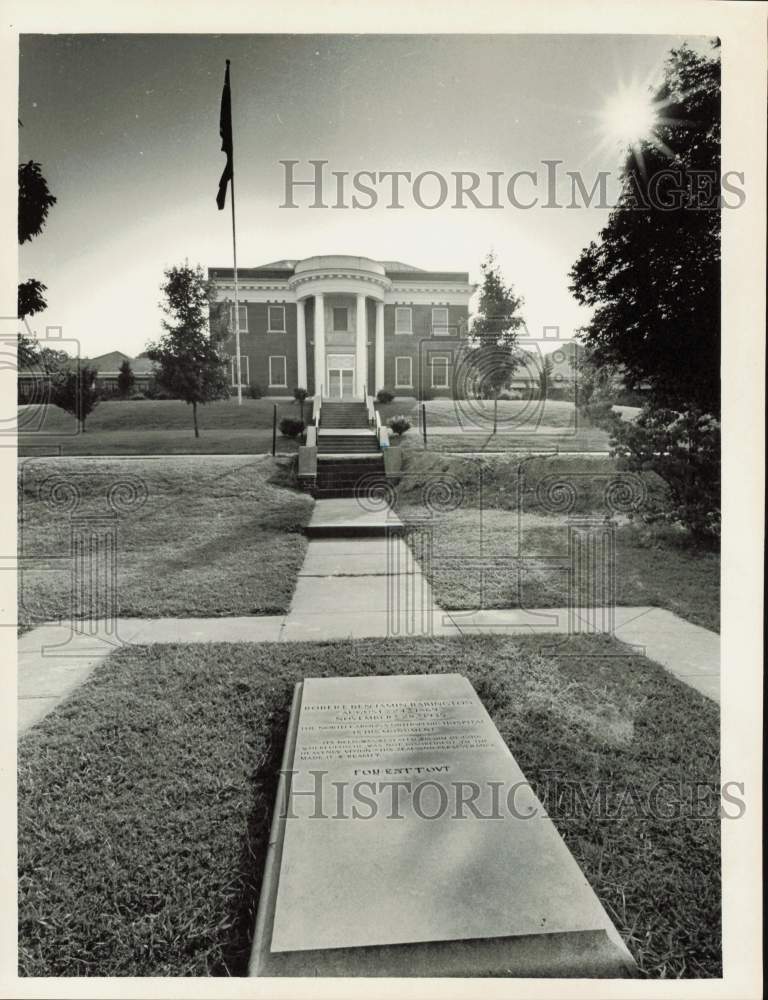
(628, 116)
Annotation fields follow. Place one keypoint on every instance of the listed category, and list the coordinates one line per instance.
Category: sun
(628, 116)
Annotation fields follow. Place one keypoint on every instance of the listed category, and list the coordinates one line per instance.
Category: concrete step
(353, 444)
(347, 518)
(344, 414)
(348, 477)
(343, 423)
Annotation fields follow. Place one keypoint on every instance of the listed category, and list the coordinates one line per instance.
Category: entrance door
(341, 377)
(341, 382)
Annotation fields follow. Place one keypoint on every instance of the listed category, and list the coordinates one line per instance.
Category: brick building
(343, 326)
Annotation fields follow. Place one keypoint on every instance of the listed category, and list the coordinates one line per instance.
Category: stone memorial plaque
(407, 833)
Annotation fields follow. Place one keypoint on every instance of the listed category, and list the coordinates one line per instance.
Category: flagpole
(237, 306)
(234, 268)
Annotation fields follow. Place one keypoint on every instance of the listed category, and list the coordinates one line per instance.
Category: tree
(653, 275)
(27, 351)
(35, 201)
(300, 394)
(74, 390)
(545, 376)
(492, 355)
(684, 450)
(30, 297)
(125, 379)
(191, 364)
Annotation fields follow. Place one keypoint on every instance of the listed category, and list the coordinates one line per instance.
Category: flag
(225, 131)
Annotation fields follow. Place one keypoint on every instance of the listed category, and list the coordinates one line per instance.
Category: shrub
(684, 449)
(74, 391)
(254, 391)
(299, 395)
(600, 414)
(291, 427)
(152, 390)
(139, 395)
(399, 425)
(106, 392)
(125, 379)
(385, 396)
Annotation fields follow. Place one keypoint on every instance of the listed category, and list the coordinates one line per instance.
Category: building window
(403, 319)
(341, 319)
(440, 321)
(242, 312)
(403, 373)
(439, 373)
(277, 372)
(275, 319)
(245, 371)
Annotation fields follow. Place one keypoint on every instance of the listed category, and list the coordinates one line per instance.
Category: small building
(34, 383)
(108, 368)
(345, 326)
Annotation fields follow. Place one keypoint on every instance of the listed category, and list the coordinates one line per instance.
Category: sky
(126, 128)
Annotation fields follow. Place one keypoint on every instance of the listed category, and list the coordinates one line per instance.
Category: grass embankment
(145, 800)
(488, 522)
(152, 427)
(523, 425)
(214, 536)
(164, 427)
(477, 414)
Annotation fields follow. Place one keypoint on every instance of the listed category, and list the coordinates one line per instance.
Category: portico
(340, 288)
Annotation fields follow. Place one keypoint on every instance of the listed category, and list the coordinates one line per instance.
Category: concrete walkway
(368, 586)
(384, 604)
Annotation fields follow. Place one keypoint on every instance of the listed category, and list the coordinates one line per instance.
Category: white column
(361, 354)
(320, 344)
(379, 348)
(301, 346)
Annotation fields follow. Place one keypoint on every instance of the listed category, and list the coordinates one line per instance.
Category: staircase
(344, 416)
(351, 463)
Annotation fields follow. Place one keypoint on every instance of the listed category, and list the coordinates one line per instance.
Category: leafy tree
(31, 355)
(653, 275)
(125, 379)
(35, 201)
(493, 357)
(684, 449)
(191, 364)
(30, 297)
(74, 390)
(27, 351)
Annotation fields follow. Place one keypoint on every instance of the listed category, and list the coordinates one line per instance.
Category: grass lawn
(214, 537)
(545, 440)
(477, 545)
(164, 427)
(477, 414)
(145, 799)
(149, 427)
(523, 425)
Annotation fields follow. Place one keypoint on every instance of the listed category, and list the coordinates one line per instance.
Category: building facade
(345, 326)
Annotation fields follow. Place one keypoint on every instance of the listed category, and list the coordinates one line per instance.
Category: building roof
(396, 270)
(111, 361)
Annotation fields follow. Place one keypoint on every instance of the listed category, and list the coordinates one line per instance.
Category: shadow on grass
(235, 953)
